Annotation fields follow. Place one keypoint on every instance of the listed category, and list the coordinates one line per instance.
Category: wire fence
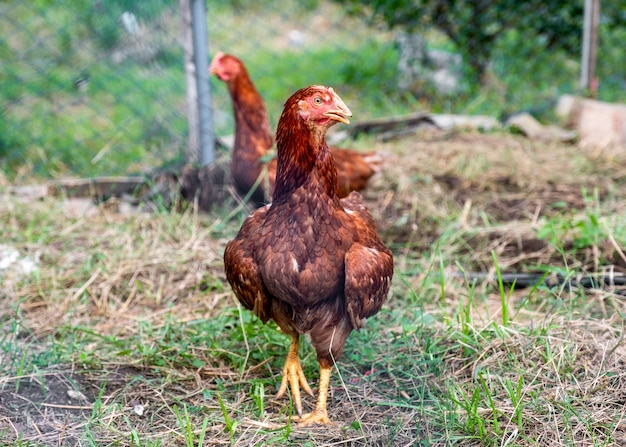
(97, 87)
(88, 86)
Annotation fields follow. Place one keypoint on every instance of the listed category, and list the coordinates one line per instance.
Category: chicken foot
(319, 415)
(294, 376)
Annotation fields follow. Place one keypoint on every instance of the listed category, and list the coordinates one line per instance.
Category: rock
(600, 125)
(11, 261)
(418, 64)
(564, 108)
(296, 38)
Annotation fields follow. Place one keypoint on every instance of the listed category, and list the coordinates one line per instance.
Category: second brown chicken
(251, 172)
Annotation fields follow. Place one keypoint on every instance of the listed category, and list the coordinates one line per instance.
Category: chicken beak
(213, 68)
(341, 112)
(339, 115)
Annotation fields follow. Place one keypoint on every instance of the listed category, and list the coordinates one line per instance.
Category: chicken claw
(314, 417)
(319, 415)
(294, 376)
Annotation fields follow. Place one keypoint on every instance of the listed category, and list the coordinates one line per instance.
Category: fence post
(588, 80)
(200, 119)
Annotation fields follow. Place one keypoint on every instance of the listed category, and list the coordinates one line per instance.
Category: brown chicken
(253, 140)
(310, 261)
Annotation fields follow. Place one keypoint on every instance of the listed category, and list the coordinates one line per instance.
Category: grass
(132, 311)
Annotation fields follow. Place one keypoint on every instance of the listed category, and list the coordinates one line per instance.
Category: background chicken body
(310, 261)
(253, 140)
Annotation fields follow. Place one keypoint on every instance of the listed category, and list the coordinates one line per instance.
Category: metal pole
(200, 51)
(193, 144)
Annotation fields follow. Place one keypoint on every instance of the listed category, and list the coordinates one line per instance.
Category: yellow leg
(293, 375)
(319, 415)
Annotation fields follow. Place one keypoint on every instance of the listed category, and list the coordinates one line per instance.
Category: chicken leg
(294, 376)
(319, 415)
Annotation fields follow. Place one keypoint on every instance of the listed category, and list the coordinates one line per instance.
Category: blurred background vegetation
(87, 92)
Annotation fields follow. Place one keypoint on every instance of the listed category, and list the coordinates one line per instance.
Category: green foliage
(371, 69)
(515, 393)
(231, 425)
(583, 231)
(9, 346)
(611, 81)
(504, 295)
(572, 231)
(258, 395)
(474, 27)
(258, 7)
(187, 427)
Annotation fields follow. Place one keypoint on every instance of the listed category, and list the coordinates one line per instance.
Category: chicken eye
(317, 101)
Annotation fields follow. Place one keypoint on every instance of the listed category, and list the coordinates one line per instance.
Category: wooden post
(588, 79)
